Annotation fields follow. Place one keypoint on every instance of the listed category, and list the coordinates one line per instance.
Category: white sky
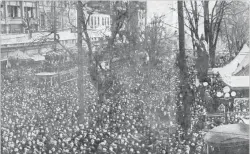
(163, 7)
(158, 7)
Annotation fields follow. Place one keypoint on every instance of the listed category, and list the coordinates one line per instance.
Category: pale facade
(13, 13)
(99, 21)
(65, 15)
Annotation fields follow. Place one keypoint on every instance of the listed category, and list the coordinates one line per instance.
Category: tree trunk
(212, 49)
(184, 116)
(30, 33)
(93, 63)
(228, 42)
(192, 36)
(206, 19)
(80, 60)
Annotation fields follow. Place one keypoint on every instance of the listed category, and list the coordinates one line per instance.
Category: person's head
(179, 151)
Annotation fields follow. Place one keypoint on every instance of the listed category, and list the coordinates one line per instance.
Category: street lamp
(227, 95)
(205, 84)
(226, 89)
(219, 94)
(233, 93)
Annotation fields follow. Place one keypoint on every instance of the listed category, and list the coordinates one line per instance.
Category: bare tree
(101, 79)
(157, 39)
(212, 23)
(192, 17)
(28, 23)
(206, 19)
(217, 15)
(235, 26)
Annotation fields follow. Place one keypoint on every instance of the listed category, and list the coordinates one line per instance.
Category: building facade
(43, 15)
(14, 13)
(59, 13)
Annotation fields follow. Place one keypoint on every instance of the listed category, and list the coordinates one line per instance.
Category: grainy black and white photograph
(125, 77)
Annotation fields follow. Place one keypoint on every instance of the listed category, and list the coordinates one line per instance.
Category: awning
(229, 71)
(228, 135)
(238, 61)
(245, 120)
(244, 62)
(237, 82)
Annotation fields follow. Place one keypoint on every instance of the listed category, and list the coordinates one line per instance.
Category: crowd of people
(58, 62)
(37, 118)
(40, 118)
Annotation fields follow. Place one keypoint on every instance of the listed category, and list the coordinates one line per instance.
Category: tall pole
(186, 95)
(55, 37)
(181, 30)
(146, 16)
(22, 16)
(80, 61)
(54, 24)
(206, 20)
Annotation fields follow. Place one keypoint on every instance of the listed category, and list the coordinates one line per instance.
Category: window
(1, 12)
(98, 21)
(91, 23)
(95, 21)
(42, 20)
(14, 11)
(41, 3)
(1, 15)
(108, 22)
(88, 23)
(29, 12)
(102, 21)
